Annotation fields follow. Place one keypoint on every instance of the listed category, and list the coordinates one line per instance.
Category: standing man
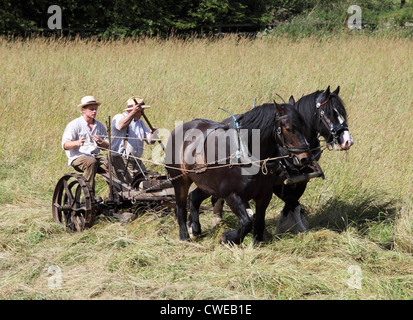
(82, 138)
(129, 132)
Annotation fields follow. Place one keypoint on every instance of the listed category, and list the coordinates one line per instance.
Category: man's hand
(98, 140)
(81, 142)
(151, 135)
(137, 107)
(101, 142)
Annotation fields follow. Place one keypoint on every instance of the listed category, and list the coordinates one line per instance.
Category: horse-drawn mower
(75, 205)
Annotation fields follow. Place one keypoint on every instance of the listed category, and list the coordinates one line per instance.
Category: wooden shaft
(302, 178)
(149, 124)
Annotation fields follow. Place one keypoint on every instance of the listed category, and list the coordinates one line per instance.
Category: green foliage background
(122, 18)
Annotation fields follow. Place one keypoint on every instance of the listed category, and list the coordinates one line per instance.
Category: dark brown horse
(325, 115)
(229, 163)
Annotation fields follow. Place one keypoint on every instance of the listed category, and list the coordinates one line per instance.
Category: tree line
(122, 18)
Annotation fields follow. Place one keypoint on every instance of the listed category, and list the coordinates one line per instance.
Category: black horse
(194, 154)
(325, 115)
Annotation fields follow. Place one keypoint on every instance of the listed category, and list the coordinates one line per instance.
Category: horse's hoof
(196, 229)
(184, 237)
(229, 237)
(257, 243)
(223, 239)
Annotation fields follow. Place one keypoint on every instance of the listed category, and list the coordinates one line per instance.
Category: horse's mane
(211, 122)
(306, 106)
(261, 117)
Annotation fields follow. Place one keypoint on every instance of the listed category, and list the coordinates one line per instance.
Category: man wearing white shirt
(129, 132)
(82, 138)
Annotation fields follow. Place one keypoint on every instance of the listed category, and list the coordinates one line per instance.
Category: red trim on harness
(321, 104)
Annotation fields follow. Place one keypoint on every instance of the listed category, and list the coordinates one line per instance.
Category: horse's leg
(181, 188)
(249, 210)
(259, 220)
(245, 222)
(218, 204)
(195, 199)
(291, 219)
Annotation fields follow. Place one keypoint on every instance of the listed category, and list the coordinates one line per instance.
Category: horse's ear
(326, 93)
(279, 109)
(292, 101)
(276, 108)
(337, 90)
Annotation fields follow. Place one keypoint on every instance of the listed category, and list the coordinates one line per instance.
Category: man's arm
(70, 139)
(69, 145)
(126, 120)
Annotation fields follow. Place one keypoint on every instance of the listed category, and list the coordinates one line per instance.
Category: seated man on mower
(82, 140)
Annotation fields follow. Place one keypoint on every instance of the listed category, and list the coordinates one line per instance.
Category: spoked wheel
(74, 203)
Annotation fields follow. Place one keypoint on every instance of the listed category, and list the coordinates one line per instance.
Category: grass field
(360, 243)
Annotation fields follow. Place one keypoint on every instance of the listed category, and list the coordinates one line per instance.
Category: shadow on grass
(370, 214)
(358, 212)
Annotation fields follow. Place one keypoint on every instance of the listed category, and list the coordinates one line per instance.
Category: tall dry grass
(360, 215)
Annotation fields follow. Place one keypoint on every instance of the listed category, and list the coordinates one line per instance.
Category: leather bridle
(335, 130)
(291, 150)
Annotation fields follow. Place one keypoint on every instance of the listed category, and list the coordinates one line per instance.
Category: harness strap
(240, 144)
(321, 104)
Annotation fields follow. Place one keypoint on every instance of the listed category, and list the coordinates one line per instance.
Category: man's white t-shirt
(137, 133)
(77, 129)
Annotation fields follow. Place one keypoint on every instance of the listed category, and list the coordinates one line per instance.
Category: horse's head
(290, 134)
(332, 116)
